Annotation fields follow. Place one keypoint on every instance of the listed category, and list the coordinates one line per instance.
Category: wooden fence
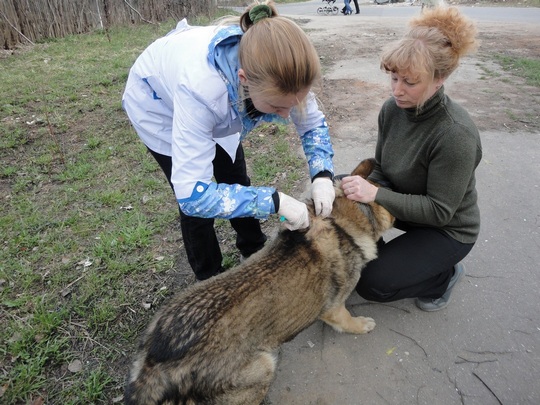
(27, 21)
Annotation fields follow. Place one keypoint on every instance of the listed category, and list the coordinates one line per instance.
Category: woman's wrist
(374, 191)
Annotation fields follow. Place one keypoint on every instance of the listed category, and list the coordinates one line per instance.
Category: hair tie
(260, 12)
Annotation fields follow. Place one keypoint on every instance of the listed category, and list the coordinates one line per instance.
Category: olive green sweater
(429, 158)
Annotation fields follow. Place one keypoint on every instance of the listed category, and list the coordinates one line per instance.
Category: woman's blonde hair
(275, 53)
(433, 45)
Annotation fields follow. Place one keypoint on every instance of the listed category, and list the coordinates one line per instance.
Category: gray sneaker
(435, 304)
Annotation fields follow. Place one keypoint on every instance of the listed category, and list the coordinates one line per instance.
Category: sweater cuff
(324, 173)
(275, 198)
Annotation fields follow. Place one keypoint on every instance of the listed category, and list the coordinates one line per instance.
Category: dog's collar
(368, 212)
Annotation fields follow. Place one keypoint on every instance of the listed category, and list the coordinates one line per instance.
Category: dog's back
(209, 333)
(215, 343)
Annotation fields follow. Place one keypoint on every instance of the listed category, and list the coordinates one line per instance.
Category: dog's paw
(363, 324)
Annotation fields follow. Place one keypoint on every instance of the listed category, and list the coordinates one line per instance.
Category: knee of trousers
(374, 289)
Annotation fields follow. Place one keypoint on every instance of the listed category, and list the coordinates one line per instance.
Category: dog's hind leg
(341, 320)
(252, 382)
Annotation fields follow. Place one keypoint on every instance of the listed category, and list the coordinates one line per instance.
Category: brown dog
(216, 342)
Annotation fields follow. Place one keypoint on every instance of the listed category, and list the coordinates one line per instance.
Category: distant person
(427, 152)
(356, 6)
(193, 95)
(347, 10)
(350, 9)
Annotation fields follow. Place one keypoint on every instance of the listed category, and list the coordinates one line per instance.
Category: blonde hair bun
(457, 28)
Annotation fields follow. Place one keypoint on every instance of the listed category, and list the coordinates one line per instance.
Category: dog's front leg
(341, 320)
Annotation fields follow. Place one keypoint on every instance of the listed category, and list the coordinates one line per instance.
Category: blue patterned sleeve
(228, 201)
(318, 150)
(313, 131)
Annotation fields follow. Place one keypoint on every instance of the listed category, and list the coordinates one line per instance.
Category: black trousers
(418, 263)
(200, 241)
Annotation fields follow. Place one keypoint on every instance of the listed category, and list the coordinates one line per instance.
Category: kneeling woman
(427, 151)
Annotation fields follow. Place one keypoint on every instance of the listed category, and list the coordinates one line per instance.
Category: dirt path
(354, 87)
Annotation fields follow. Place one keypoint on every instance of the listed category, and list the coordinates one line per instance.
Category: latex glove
(295, 212)
(323, 195)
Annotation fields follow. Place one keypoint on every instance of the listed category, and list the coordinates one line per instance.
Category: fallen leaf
(117, 399)
(390, 351)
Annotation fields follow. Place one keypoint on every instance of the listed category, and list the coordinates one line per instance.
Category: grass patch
(486, 72)
(90, 243)
(273, 160)
(523, 67)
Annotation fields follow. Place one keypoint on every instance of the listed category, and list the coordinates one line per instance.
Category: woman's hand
(294, 212)
(323, 195)
(358, 189)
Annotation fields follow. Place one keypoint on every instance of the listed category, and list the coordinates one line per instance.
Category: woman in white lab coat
(193, 95)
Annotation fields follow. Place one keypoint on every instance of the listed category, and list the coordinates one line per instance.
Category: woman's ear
(440, 82)
(242, 77)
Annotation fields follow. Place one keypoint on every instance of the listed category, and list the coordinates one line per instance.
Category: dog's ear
(364, 168)
(338, 189)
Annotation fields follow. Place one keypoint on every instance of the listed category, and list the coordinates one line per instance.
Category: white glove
(323, 195)
(295, 212)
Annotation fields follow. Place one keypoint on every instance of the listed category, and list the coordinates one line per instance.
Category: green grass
(88, 224)
(524, 67)
(270, 151)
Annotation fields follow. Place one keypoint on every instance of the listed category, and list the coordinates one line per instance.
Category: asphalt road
(485, 14)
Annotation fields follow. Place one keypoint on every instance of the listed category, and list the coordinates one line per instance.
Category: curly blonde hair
(433, 45)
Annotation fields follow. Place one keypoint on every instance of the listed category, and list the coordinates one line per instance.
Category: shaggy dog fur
(216, 342)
